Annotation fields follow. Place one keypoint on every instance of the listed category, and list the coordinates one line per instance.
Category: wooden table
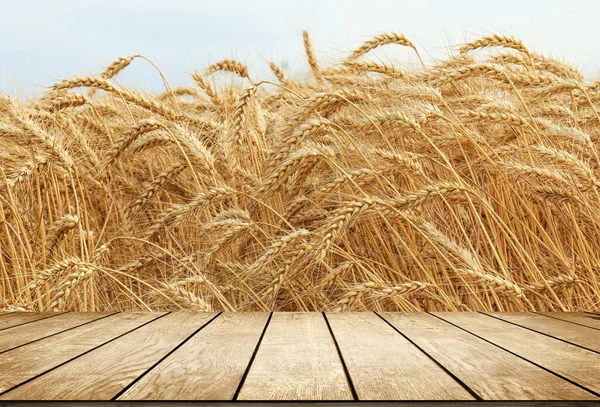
(299, 356)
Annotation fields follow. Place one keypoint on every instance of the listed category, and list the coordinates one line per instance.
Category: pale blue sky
(46, 41)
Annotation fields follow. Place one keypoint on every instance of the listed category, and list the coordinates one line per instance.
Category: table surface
(299, 356)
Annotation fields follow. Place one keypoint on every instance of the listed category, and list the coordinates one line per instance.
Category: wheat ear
(207, 88)
(185, 298)
(367, 66)
(239, 113)
(228, 65)
(59, 228)
(130, 96)
(495, 41)
(379, 40)
(278, 73)
(145, 197)
(140, 128)
(312, 59)
(351, 297)
(177, 213)
(277, 247)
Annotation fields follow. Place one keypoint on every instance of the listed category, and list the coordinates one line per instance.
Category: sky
(46, 41)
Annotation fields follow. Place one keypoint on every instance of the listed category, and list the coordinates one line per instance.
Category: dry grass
(472, 184)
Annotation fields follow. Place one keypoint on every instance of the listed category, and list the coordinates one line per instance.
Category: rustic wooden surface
(571, 362)
(580, 318)
(221, 353)
(19, 318)
(105, 371)
(385, 366)
(576, 335)
(24, 334)
(32, 361)
(479, 364)
(297, 359)
(299, 356)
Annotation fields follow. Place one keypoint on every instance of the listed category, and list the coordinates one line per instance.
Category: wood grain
(583, 318)
(102, 373)
(23, 334)
(94, 357)
(25, 362)
(579, 335)
(572, 362)
(385, 366)
(19, 318)
(297, 360)
(486, 369)
(209, 366)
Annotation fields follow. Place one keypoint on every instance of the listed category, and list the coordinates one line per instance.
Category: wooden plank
(572, 362)
(26, 362)
(383, 365)
(104, 372)
(491, 372)
(209, 366)
(20, 318)
(581, 318)
(23, 334)
(580, 335)
(297, 360)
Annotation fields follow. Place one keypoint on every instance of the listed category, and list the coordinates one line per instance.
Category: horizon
(181, 37)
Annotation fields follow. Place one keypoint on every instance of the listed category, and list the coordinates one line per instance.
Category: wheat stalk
(63, 100)
(401, 289)
(239, 113)
(275, 249)
(378, 41)
(178, 213)
(140, 128)
(353, 296)
(278, 73)
(367, 66)
(551, 283)
(475, 270)
(207, 88)
(59, 228)
(228, 65)
(495, 41)
(185, 298)
(310, 54)
(130, 96)
(146, 196)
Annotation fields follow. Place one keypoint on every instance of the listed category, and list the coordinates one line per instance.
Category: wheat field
(466, 184)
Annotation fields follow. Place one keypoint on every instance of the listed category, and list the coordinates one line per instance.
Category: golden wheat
(471, 184)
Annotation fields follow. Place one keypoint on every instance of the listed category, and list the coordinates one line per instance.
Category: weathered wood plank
(486, 369)
(582, 318)
(104, 372)
(579, 335)
(23, 363)
(297, 360)
(383, 365)
(23, 334)
(209, 366)
(19, 318)
(572, 362)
